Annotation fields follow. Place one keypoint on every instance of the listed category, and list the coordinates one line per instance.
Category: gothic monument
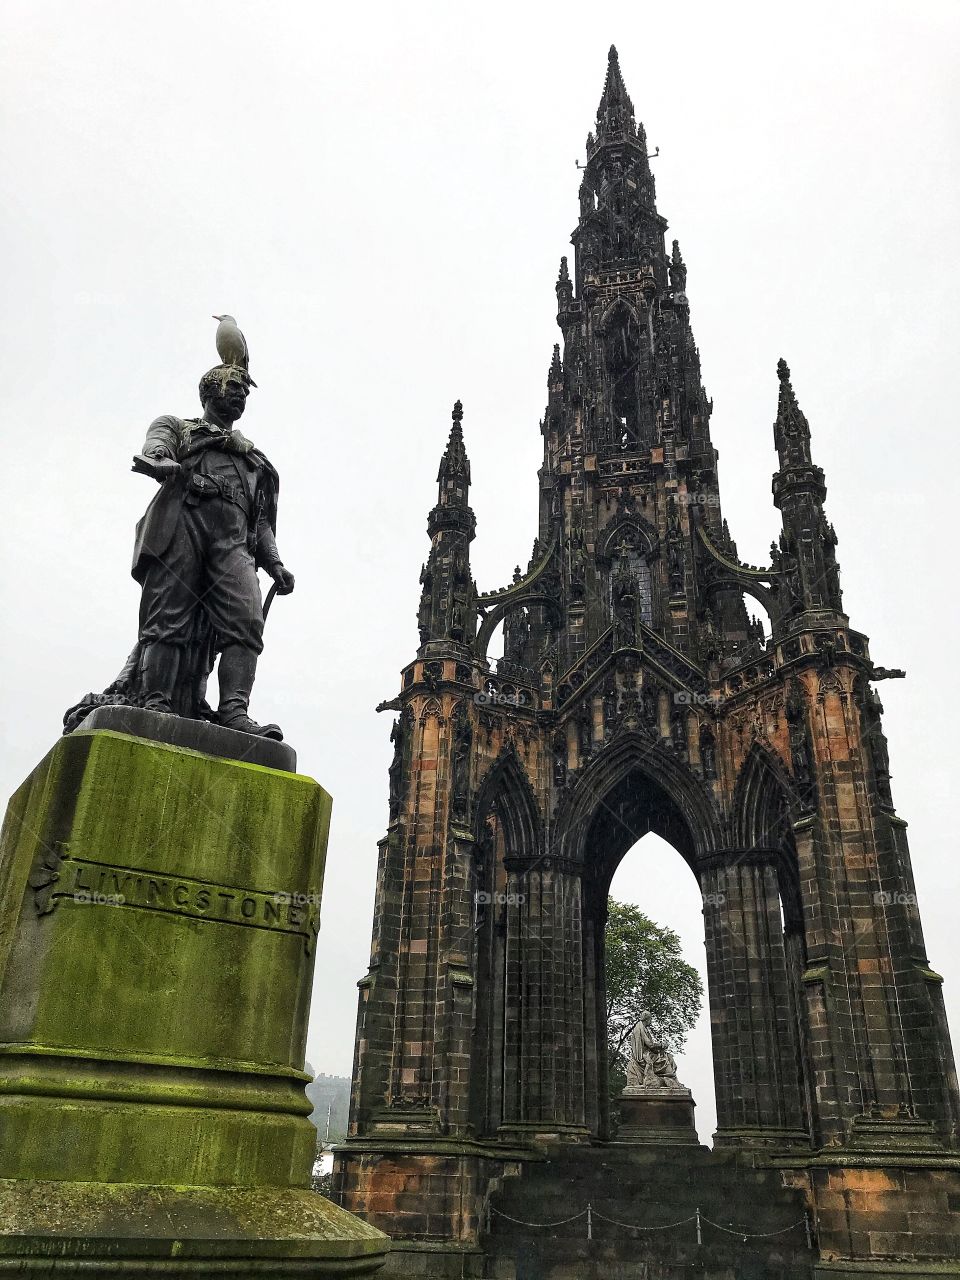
(637, 694)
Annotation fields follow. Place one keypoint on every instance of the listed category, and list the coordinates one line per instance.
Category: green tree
(645, 969)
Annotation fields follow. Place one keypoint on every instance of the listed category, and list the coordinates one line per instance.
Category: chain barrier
(522, 1223)
(699, 1218)
(759, 1235)
(631, 1226)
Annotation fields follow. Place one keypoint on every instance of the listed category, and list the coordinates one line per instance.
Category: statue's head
(225, 390)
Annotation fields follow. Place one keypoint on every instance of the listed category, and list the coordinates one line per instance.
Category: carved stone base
(158, 915)
(121, 1231)
(195, 735)
(662, 1117)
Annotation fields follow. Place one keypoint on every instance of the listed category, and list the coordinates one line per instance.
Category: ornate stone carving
(651, 1067)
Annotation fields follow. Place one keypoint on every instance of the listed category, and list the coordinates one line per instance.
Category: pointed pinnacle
(791, 423)
(454, 460)
(455, 453)
(564, 276)
(614, 96)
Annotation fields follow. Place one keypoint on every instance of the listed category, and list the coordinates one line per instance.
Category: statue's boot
(160, 665)
(238, 667)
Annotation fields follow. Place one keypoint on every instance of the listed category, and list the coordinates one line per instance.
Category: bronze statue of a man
(198, 547)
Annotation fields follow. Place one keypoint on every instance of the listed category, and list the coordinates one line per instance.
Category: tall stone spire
(791, 431)
(678, 270)
(454, 474)
(806, 555)
(615, 112)
(447, 600)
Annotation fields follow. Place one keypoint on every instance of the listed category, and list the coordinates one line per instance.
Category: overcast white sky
(381, 194)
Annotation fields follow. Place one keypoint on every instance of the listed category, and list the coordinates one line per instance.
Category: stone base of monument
(657, 1116)
(121, 1229)
(159, 907)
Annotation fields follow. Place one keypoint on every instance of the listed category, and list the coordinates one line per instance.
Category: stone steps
(600, 1263)
(646, 1186)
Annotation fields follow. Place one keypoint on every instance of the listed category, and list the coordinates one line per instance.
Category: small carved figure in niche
(609, 712)
(630, 704)
(456, 620)
(559, 761)
(877, 745)
(678, 731)
(398, 736)
(792, 578)
(708, 753)
(649, 707)
(460, 766)
(423, 614)
(800, 753)
(624, 589)
(880, 757)
(483, 863)
(676, 570)
(651, 1067)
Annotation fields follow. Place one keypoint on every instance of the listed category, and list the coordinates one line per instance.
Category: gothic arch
(762, 799)
(763, 802)
(506, 788)
(645, 532)
(765, 597)
(636, 753)
(618, 304)
(500, 611)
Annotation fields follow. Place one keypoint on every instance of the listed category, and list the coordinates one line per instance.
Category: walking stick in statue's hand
(282, 585)
(269, 600)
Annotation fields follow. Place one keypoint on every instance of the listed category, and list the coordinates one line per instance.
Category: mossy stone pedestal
(158, 913)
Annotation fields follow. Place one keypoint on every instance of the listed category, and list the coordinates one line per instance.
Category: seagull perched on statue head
(232, 345)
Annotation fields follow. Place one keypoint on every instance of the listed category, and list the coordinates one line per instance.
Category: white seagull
(232, 345)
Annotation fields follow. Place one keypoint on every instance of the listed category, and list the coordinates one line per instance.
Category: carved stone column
(544, 1013)
(754, 1039)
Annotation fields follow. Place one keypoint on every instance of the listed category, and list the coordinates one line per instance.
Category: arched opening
(506, 838)
(750, 928)
(652, 877)
(635, 809)
(740, 620)
(537, 920)
(495, 645)
(625, 338)
(762, 806)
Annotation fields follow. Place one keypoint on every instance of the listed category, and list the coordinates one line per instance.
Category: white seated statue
(651, 1067)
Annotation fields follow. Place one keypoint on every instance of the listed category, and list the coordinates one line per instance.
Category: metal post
(699, 1231)
(589, 1221)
